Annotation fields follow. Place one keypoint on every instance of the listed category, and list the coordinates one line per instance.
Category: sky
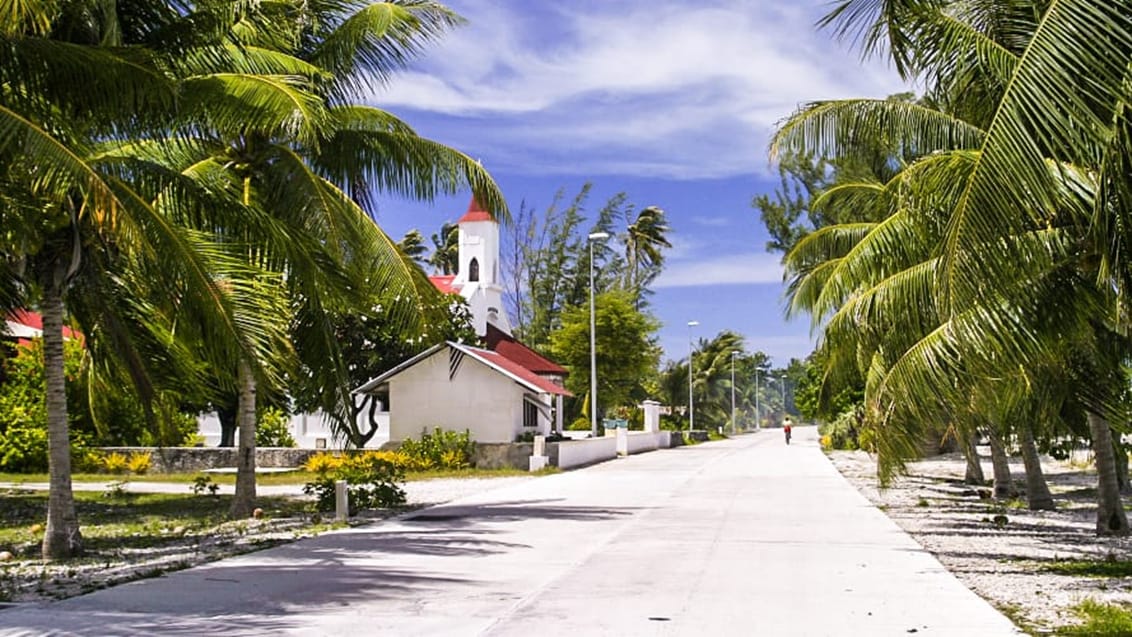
(671, 102)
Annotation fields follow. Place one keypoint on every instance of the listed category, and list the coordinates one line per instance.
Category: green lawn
(115, 523)
(291, 477)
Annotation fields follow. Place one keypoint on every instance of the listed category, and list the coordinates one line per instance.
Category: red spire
(475, 213)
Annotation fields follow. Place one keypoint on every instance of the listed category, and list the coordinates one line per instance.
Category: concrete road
(741, 537)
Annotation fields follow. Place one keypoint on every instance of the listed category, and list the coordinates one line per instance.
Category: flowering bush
(371, 480)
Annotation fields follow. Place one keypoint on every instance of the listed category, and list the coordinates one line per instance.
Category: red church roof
(513, 350)
(443, 282)
(519, 371)
(475, 213)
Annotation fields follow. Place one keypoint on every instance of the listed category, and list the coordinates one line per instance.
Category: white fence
(577, 453)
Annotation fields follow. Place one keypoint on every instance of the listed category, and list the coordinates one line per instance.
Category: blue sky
(671, 102)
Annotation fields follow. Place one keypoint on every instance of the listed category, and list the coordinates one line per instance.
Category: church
(499, 392)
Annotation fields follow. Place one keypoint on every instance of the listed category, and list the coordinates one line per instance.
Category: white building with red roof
(498, 392)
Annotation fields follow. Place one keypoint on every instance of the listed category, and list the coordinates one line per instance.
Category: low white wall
(640, 441)
(576, 453)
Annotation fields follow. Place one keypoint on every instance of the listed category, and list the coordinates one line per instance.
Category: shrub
(371, 480)
(139, 463)
(579, 424)
(322, 463)
(844, 431)
(271, 430)
(23, 449)
(439, 450)
(115, 463)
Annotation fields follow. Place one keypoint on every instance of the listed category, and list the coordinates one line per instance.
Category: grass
(1090, 568)
(1100, 619)
(290, 477)
(126, 522)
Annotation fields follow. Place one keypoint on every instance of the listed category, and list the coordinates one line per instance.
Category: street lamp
(782, 383)
(691, 352)
(594, 236)
(733, 355)
(758, 414)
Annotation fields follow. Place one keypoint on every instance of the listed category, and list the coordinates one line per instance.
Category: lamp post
(733, 423)
(758, 413)
(691, 403)
(594, 236)
(782, 384)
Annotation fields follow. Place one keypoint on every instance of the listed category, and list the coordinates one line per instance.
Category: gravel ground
(1003, 560)
(28, 581)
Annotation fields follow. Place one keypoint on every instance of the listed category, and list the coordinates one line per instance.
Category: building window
(530, 414)
(474, 270)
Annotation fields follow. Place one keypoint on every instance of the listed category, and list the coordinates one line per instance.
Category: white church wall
(310, 431)
(480, 400)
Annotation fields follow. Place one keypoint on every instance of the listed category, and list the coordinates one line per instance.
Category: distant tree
(627, 353)
(445, 257)
(412, 245)
(645, 239)
(547, 258)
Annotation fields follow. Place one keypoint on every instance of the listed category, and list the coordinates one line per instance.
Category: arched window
(474, 270)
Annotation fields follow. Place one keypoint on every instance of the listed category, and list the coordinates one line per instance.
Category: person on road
(786, 429)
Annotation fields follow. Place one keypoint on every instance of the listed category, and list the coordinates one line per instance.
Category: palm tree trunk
(61, 538)
(1038, 496)
(1111, 519)
(1003, 482)
(244, 501)
(1121, 456)
(974, 473)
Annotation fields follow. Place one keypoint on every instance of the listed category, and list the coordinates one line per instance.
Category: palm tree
(445, 257)
(1035, 166)
(311, 161)
(69, 214)
(644, 239)
(412, 246)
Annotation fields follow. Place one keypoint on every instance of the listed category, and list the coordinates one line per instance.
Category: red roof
(443, 282)
(35, 322)
(517, 370)
(475, 213)
(506, 345)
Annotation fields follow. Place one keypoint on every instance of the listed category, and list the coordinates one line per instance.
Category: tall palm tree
(1051, 156)
(68, 213)
(645, 238)
(311, 161)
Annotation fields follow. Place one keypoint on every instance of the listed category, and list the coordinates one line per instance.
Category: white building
(498, 392)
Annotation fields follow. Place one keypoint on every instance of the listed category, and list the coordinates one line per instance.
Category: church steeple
(478, 272)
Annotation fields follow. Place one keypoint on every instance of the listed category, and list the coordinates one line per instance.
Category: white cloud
(751, 268)
(685, 90)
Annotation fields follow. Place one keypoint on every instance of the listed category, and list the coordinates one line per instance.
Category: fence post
(341, 501)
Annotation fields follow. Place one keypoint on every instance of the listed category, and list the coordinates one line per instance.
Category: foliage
(441, 449)
(790, 215)
(271, 430)
(626, 349)
(205, 483)
(23, 413)
(547, 259)
(579, 424)
(845, 431)
(139, 463)
(1090, 568)
(371, 478)
(1100, 619)
(115, 462)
